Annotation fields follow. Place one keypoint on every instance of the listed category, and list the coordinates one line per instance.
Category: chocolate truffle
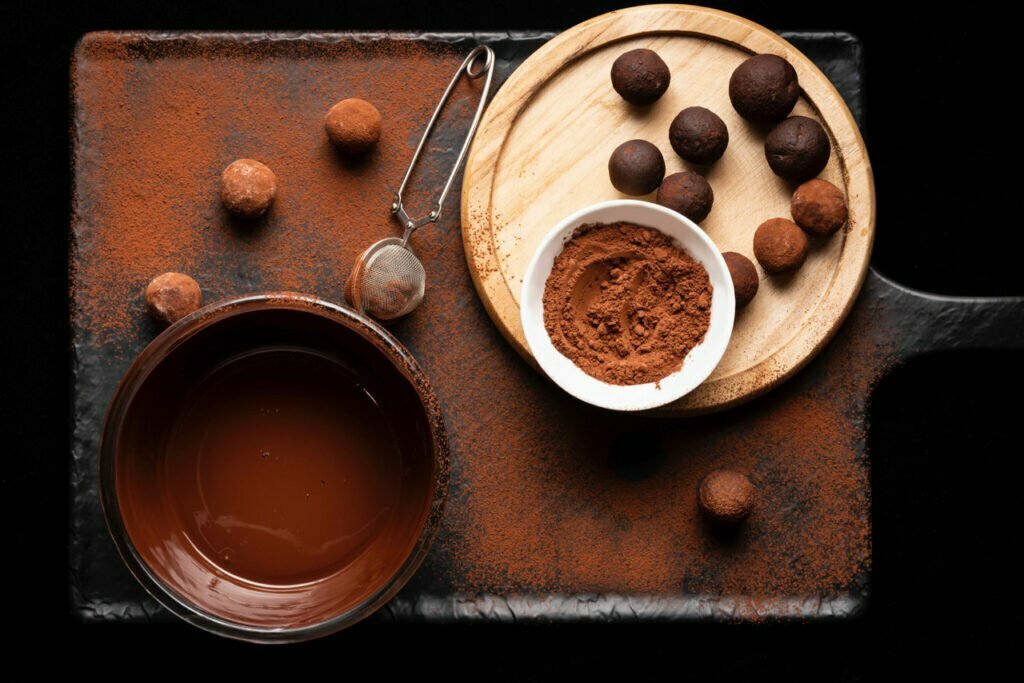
(353, 125)
(640, 76)
(698, 135)
(797, 149)
(744, 277)
(819, 207)
(636, 167)
(688, 193)
(726, 497)
(172, 296)
(764, 89)
(780, 245)
(247, 188)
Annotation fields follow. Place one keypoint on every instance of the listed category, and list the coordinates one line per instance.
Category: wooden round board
(542, 152)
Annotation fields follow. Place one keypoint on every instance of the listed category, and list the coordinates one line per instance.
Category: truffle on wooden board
(247, 188)
(819, 207)
(780, 246)
(688, 193)
(640, 76)
(172, 296)
(698, 135)
(764, 88)
(636, 167)
(797, 149)
(353, 125)
(745, 281)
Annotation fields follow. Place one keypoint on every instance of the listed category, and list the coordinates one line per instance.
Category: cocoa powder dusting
(626, 304)
(547, 495)
(162, 118)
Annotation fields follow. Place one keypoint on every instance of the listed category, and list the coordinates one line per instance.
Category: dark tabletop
(944, 452)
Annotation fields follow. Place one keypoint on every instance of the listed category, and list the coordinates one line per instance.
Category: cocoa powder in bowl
(625, 303)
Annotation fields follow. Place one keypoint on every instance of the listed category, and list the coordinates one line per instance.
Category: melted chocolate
(273, 480)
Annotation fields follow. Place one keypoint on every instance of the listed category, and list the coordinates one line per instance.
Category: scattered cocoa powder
(625, 303)
(534, 506)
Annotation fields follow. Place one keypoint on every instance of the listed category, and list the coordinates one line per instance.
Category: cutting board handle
(926, 323)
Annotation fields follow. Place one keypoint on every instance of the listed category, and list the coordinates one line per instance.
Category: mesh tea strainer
(388, 280)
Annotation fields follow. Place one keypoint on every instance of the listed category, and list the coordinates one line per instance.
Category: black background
(946, 459)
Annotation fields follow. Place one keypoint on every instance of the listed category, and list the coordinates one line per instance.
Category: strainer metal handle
(397, 208)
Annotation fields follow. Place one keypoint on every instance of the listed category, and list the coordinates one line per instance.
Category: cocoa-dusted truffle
(636, 167)
(698, 135)
(744, 276)
(688, 193)
(780, 245)
(764, 89)
(819, 207)
(640, 76)
(172, 296)
(797, 149)
(726, 497)
(247, 188)
(353, 125)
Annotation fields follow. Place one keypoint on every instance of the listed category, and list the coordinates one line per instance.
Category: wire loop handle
(397, 208)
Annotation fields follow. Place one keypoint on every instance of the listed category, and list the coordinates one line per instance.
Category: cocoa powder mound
(626, 304)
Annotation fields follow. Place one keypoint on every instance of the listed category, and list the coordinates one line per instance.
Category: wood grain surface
(542, 150)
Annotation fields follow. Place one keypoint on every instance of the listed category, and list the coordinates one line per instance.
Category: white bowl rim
(699, 363)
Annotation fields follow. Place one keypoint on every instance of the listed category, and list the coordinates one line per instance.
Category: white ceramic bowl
(698, 363)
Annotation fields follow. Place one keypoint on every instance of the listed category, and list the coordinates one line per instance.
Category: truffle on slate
(172, 296)
(780, 245)
(744, 276)
(764, 88)
(819, 207)
(698, 135)
(353, 125)
(688, 193)
(726, 497)
(247, 188)
(640, 76)
(636, 167)
(797, 149)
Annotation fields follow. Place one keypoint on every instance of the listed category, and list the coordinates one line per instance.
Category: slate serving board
(493, 400)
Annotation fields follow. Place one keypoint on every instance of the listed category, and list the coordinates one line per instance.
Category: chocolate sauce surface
(274, 474)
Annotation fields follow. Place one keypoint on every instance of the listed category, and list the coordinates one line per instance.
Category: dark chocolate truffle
(797, 149)
(636, 167)
(780, 245)
(726, 497)
(247, 188)
(640, 76)
(688, 193)
(764, 89)
(172, 296)
(698, 135)
(353, 125)
(744, 276)
(819, 207)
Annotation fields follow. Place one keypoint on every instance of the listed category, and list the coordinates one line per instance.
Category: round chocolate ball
(726, 497)
(780, 246)
(819, 207)
(636, 167)
(764, 89)
(640, 76)
(744, 277)
(247, 188)
(353, 125)
(698, 135)
(797, 149)
(172, 296)
(688, 193)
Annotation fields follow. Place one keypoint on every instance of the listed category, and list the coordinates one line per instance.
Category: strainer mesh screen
(393, 282)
